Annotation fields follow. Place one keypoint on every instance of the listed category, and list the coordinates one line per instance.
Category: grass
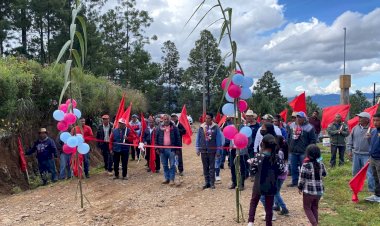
(336, 207)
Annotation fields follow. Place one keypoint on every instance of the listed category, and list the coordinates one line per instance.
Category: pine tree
(358, 103)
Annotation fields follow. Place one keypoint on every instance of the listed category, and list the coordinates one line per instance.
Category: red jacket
(87, 132)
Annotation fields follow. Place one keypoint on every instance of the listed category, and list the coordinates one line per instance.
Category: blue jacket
(175, 138)
(118, 137)
(374, 148)
(214, 144)
(46, 149)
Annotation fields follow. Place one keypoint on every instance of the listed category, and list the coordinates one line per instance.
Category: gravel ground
(141, 200)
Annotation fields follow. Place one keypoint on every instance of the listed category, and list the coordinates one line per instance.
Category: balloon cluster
(239, 90)
(66, 117)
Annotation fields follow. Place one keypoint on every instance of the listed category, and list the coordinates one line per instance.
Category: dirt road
(141, 200)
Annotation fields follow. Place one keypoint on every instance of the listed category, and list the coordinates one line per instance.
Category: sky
(300, 41)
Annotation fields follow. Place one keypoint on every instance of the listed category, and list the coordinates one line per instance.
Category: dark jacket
(300, 137)
(116, 137)
(374, 149)
(174, 136)
(100, 135)
(148, 136)
(182, 130)
(337, 138)
(46, 149)
(254, 129)
(316, 123)
(213, 142)
(266, 174)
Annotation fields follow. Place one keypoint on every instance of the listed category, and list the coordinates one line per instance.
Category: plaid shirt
(307, 182)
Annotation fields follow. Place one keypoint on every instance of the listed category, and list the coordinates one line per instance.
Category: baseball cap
(122, 121)
(105, 117)
(42, 130)
(294, 114)
(364, 115)
(134, 116)
(267, 117)
(301, 114)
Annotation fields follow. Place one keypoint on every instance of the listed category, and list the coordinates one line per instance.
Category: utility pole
(344, 80)
(204, 80)
(374, 93)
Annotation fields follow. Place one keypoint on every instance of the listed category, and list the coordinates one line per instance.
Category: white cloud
(372, 67)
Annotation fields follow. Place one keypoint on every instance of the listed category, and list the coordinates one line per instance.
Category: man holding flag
(358, 147)
(120, 151)
(152, 159)
(135, 124)
(374, 160)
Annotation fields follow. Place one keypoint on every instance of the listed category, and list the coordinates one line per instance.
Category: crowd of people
(275, 150)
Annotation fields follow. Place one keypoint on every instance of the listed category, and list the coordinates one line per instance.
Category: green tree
(358, 103)
(5, 23)
(204, 60)
(311, 106)
(267, 97)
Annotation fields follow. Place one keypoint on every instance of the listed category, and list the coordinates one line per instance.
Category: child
(266, 166)
(310, 183)
(283, 154)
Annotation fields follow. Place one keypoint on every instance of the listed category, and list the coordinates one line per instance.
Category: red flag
(357, 182)
(217, 117)
(222, 121)
(119, 111)
(284, 115)
(203, 118)
(185, 122)
(299, 103)
(143, 126)
(354, 121)
(152, 156)
(329, 113)
(127, 114)
(258, 119)
(22, 155)
(77, 165)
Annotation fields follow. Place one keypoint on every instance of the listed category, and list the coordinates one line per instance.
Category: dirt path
(141, 200)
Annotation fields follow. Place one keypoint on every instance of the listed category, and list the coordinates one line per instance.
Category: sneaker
(291, 185)
(206, 186)
(377, 199)
(110, 173)
(181, 174)
(276, 208)
(165, 182)
(284, 211)
(125, 178)
(212, 186)
(371, 198)
(218, 178)
(171, 183)
(233, 186)
(116, 177)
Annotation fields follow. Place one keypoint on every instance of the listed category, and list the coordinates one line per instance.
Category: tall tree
(170, 75)
(311, 106)
(5, 23)
(204, 60)
(358, 103)
(267, 96)
(20, 10)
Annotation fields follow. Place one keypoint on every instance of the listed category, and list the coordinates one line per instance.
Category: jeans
(341, 150)
(168, 163)
(375, 166)
(123, 156)
(107, 158)
(64, 166)
(310, 206)
(295, 162)
(218, 162)
(268, 208)
(243, 167)
(358, 161)
(208, 162)
(45, 167)
(86, 163)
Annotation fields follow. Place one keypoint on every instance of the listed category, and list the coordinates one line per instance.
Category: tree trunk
(42, 51)
(48, 35)
(23, 31)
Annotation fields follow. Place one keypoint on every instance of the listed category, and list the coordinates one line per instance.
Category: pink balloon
(229, 132)
(63, 107)
(68, 150)
(239, 72)
(68, 101)
(62, 125)
(242, 105)
(224, 83)
(240, 141)
(234, 91)
(69, 118)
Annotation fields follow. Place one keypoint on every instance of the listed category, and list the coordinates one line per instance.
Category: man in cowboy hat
(120, 151)
(103, 133)
(46, 152)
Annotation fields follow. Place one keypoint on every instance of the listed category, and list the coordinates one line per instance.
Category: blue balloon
(64, 136)
(246, 131)
(248, 82)
(229, 98)
(228, 109)
(58, 115)
(72, 141)
(77, 113)
(80, 139)
(238, 79)
(83, 148)
(246, 93)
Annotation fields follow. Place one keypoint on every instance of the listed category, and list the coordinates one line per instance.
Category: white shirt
(259, 137)
(106, 130)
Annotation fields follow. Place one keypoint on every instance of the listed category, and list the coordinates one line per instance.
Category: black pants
(243, 167)
(180, 160)
(107, 157)
(334, 150)
(123, 155)
(147, 157)
(135, 152)
(268, 208)
(208, 162)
